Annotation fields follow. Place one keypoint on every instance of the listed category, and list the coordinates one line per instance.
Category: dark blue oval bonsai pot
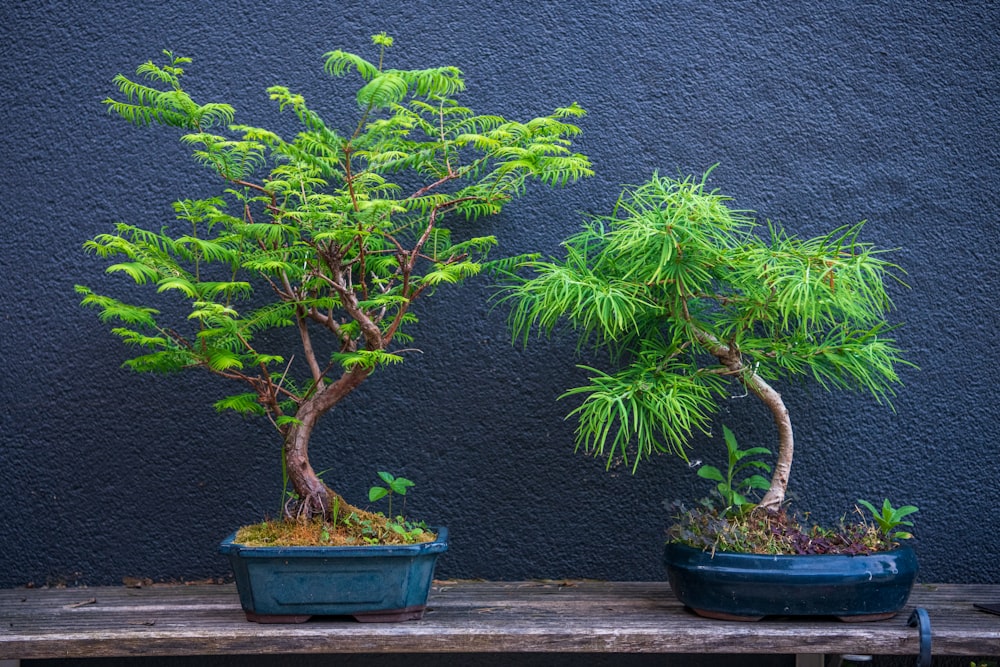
(371, 583)
(735, 586)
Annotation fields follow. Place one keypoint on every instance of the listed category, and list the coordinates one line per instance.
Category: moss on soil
(374, 529)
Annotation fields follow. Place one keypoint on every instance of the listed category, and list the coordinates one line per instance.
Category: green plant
(393, 485)
(689, 299)
(730, 523)
(710, 527)
(408, 532)
(331, 235)
(730, 488)
(890, 518)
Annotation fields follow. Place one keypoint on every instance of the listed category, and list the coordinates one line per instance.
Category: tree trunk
(733, 361)
(775, 496)
(315, 497)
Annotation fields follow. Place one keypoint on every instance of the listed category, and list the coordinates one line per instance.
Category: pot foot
(865, 618)
(723, 616)
(277, 618)
(391, 616)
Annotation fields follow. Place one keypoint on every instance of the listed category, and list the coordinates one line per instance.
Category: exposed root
(304, 509)
(307, 523)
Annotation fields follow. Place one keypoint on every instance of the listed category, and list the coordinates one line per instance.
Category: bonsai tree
(689, 300)
(332, 235)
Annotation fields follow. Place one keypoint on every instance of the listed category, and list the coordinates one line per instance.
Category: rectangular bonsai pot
(371, 583)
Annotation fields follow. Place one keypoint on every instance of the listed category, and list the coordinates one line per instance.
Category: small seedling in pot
(889, 518)
(731, 489)
(393, 485)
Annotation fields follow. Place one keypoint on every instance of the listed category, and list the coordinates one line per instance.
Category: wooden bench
(470, 617)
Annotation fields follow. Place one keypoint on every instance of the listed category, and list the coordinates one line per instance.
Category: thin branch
(349, 301)
(307, 346)
(452, 175)
(253, 186)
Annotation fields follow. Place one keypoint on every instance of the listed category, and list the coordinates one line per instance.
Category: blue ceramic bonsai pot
(734, 586)
(371, 583)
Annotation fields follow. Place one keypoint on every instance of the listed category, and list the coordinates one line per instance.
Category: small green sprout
(729, 488)
(393, 485)
(890, 518)
(409, 532)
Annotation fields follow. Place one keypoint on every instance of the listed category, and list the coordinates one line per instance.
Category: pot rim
(901, 550)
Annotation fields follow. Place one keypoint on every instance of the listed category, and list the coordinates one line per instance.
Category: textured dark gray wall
(819, 113)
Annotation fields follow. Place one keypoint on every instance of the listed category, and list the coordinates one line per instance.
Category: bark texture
(315, 497)
(733, 361)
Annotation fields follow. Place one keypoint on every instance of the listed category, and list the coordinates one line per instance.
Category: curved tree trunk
(733, 361)
(315, 497)
(775, 496)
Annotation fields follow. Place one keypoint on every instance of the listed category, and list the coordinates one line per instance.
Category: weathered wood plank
(467, 617)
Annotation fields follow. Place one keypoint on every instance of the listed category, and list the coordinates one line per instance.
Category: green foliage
(393, 485)
(168, 105)
(316, 234)
(396, 486)
(394, 530)
(731, 522)
(732, 487)
(688, 296)
(890, 518)
(711, 528)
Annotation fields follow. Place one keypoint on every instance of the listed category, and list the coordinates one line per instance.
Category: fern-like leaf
(382, 91)
(245, 404)
(367, 359)
(338, 63)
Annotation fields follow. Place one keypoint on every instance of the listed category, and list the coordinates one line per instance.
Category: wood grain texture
(500, 617)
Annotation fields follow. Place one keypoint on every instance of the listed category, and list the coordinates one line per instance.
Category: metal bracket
(920, 617)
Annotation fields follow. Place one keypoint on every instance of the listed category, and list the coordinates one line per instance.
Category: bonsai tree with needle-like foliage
(689, 299)
(331, 235)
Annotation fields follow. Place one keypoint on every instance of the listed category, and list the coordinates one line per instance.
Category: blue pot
(371, 583)
(736, 586)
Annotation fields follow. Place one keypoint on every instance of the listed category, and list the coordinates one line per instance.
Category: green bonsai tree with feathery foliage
(689, 299)
(332, 235)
